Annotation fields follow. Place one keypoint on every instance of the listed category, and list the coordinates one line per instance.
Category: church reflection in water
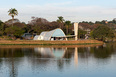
(76, 56)
(51, 52)
(58, 53)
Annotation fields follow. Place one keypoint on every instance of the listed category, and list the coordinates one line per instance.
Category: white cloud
(51, 11)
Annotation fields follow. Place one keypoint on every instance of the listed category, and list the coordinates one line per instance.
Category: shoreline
(48, 46)
(32, 42)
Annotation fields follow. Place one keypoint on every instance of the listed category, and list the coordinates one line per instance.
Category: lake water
(97, 61)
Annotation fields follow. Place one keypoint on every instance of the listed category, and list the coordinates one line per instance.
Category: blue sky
(73, 10)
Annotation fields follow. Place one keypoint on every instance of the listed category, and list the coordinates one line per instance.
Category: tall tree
(81, 33)
(2, 26)
(13, 12)
(102, 32)
(67, 24)
(61, 21)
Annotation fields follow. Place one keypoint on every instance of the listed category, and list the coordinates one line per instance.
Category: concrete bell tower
(76, 30)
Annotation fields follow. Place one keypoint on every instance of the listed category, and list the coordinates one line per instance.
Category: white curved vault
(56, 34)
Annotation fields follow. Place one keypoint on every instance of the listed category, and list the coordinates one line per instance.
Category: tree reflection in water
(41, 58)
(98, 51)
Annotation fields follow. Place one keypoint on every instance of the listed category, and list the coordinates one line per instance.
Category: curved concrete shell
(56, 34)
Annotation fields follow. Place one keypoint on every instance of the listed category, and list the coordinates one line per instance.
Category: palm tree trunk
(60, 25)
(12, 20)
(66, 29)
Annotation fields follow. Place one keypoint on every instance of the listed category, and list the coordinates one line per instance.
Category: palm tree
(13, 12)
(67, 24)
(61, 21)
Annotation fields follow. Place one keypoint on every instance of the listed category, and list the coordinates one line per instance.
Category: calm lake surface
(97, 61)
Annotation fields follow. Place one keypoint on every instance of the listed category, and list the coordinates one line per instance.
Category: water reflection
(51, 52)
(76, 56)
(61, 55)
(28, 62)
(98, 51)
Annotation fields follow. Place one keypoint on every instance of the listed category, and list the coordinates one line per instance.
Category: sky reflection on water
(98, 61)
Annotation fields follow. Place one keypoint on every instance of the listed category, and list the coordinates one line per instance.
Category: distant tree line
(13, 28)
(99, 30)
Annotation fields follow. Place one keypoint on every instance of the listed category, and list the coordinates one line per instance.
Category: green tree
(13, 12)
(14, 31)
(2, 27)
(81, 33)
(67, 24)
(102, 32)
(61, 21)
(37, 29)
(1, 22)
